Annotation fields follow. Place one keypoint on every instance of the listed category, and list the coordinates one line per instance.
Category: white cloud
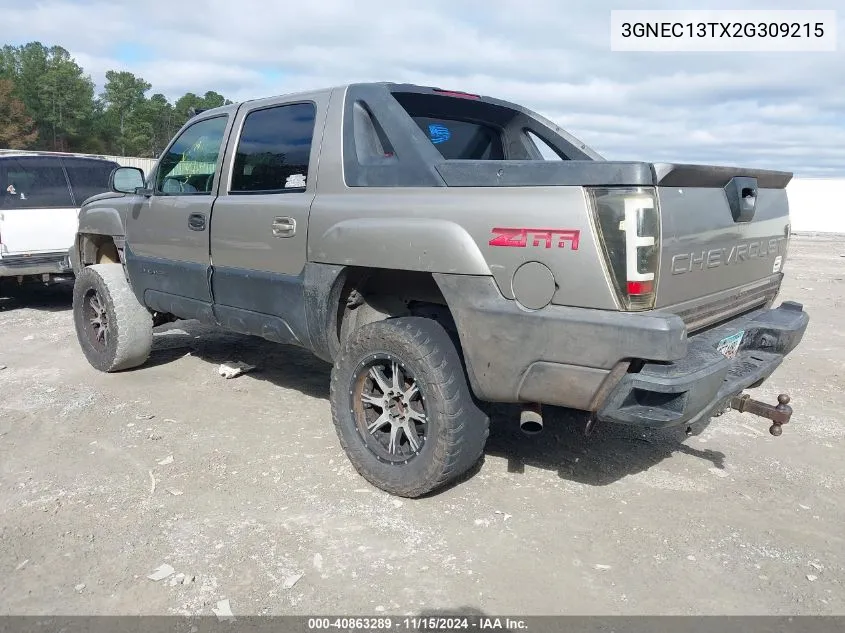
(771, 110)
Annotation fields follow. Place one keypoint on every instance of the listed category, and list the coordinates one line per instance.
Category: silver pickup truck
(445, 250)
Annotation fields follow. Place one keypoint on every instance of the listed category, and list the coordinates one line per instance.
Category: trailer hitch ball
(779, 415)
(783, 407)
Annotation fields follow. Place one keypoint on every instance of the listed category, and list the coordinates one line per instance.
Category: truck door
(259, 225)
(167, 232)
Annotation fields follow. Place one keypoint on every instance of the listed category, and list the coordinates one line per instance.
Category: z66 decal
(519, 237)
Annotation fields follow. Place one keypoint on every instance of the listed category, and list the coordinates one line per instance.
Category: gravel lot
(242, 485)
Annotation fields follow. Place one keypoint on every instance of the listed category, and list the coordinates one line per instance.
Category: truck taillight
(628, 224)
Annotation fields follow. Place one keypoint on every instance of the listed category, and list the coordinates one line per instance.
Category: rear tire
(114, 331)
(402, 408)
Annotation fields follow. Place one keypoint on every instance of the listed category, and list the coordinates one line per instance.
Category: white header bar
(723, 31)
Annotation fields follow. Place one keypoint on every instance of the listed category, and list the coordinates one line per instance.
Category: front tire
(402, 408)
(114, 331)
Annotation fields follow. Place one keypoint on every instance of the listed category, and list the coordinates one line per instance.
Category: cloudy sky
(776, 110)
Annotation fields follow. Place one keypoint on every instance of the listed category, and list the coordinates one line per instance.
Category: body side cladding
(322, 287)
(180, 307)
(101, 220)
(284, 309)
(269, 305)
(267, 326)
(176, 279)
(419, 244)
(491, 327)
(99, 217)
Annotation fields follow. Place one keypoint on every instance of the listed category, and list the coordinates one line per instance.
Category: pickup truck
(446, 250)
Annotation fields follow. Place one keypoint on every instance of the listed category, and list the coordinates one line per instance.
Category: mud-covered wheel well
(370, 295)
(97, 249)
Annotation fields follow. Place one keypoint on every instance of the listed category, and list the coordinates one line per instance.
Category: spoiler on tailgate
(534, 173)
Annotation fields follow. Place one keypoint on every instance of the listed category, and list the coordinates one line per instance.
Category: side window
(189, 165)
(88, 177)
(545, 150)
(33, 183)
(274, 150)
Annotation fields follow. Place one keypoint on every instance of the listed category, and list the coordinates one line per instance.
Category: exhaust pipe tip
(531, 420)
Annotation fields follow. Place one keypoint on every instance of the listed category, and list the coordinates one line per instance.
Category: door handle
(196, 221)
(284, 227)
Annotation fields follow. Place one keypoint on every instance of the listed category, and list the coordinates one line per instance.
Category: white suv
(40, 196)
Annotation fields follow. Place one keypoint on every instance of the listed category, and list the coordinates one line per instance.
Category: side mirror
(126, 180)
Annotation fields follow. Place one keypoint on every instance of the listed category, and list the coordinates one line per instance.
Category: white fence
(146, 164)
(817, 205)
(125, 161)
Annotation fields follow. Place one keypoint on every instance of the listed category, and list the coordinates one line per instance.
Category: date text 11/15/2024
(419, 623)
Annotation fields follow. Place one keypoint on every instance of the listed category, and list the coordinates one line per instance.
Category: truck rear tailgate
(724, 236)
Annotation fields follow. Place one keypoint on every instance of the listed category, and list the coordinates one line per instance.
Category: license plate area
(729, 346)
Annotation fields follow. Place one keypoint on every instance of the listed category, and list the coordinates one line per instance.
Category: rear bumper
(578, 358)
(558, 355)
(693, 387)
(36, 264)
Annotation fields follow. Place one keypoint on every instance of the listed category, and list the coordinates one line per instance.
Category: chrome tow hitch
(779, 415)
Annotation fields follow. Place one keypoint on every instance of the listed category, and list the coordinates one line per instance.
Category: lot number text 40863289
(421, 623)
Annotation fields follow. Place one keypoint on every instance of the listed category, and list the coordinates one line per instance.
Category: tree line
(48, 102)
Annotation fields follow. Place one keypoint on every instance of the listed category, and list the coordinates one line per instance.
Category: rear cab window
(462, 140)
(467, 128)
(33, 182)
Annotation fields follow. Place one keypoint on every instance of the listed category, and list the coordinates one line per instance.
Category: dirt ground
(241, 485)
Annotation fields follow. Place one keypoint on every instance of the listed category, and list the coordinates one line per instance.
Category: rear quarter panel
(449, 230)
